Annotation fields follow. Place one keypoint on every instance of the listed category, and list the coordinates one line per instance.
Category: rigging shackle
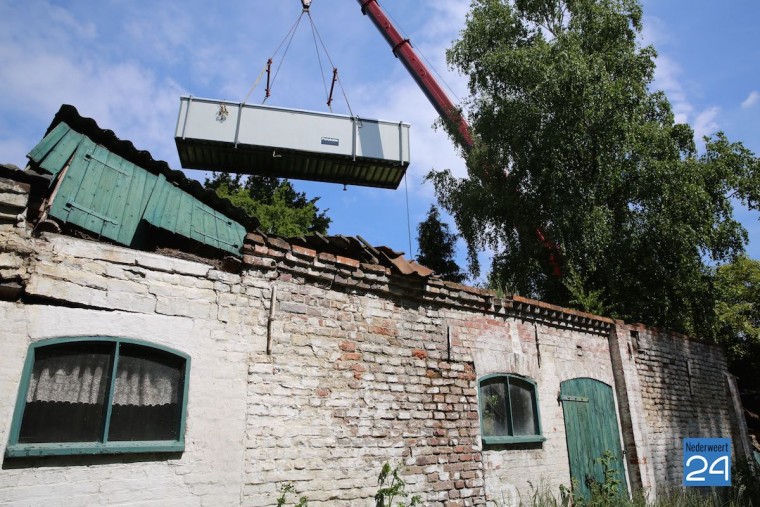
(306, 4)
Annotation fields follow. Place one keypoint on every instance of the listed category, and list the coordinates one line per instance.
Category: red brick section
(347, 346)
(304, 252)
(419, 354)
(347, 262)
(431, 408)
(390, 279)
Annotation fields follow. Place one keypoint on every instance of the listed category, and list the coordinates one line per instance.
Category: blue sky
(125, 63)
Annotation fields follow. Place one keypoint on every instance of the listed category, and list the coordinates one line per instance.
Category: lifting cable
(335, 69)
(292, 34)
(268, 66)
(286, 41)
(321, 69)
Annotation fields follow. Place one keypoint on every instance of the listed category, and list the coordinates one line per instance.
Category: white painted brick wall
(354, 380)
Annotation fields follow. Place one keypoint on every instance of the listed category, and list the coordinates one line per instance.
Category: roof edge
(69, 115)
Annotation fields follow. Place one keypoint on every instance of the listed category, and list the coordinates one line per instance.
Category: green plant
(391, 485)
(289, 488)
(607, 493)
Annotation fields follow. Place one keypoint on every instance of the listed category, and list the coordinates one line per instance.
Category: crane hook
(306, 4)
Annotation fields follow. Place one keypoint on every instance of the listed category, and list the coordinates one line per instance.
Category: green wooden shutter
(591, 429)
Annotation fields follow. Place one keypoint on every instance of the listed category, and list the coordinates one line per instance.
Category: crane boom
(402, 49)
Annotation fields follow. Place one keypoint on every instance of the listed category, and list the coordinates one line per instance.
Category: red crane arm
(403, 50)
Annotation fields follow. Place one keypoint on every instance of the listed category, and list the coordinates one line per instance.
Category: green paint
(511, 438)
(111, 197)
(49, 142)
(57, 158)
(15, 449)
(591, 428)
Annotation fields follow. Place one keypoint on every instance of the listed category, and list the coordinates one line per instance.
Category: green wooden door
(591, 429)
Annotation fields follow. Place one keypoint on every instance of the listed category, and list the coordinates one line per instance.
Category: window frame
(16, 449)
(511, 439)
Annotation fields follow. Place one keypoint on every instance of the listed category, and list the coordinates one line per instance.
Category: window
(509, 410)
(100, 396)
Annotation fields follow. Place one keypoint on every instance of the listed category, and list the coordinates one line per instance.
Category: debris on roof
(348, 250)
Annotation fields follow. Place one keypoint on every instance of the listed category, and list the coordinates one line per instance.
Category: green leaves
(391, 486)
(275, 203)
(571, 141)
(737, 287)
(436, 244)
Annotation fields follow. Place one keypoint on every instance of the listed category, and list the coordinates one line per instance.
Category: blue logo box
(706, 461)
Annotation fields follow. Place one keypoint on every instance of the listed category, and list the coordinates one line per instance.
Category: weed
(289, 488)
(388, 491)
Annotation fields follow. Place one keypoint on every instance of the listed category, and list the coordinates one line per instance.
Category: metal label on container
(330, 141)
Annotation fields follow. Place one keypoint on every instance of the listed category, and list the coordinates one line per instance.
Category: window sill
(527, 439)
(78, 448)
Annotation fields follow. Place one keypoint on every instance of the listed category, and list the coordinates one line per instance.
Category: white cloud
(751, 100)
(66, 65)
(655, 32)
(666, 79)
(705, 124)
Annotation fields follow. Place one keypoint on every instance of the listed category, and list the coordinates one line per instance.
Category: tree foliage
(571, 142)
(737, 287)
(275, 203)
(436, 247)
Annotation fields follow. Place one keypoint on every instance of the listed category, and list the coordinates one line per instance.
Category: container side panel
(203, 121)
(296, 131)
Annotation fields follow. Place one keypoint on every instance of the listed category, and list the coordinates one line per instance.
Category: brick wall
(354, 381)
(352, 367)
(683, 393)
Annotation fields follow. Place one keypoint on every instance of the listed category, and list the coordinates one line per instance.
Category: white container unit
(287, 143)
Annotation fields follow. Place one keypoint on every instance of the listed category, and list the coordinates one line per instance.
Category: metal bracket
(581, 399)
(70, 204)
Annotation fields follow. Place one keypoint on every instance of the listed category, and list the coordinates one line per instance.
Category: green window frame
(124, 367)
(509, 410)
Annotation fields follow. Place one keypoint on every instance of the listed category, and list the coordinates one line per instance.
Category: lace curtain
(69, 389)
(82, 378)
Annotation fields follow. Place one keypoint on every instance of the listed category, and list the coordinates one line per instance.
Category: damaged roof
(353, 250)
(346, 260)
(346, 248)
(107, 138)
